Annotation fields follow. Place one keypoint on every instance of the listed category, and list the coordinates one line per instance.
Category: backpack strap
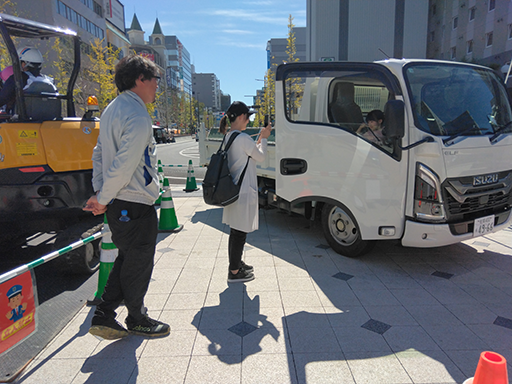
(230, 141)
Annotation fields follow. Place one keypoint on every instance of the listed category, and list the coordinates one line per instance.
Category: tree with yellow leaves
(103, 59)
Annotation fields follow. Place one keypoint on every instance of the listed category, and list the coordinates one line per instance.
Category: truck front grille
(463, 200)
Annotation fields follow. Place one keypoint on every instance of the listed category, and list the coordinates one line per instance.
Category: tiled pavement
(396, 315)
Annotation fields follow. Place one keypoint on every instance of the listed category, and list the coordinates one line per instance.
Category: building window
(488, 39)
(510, 31)
(434, 9)
(469, 47)
(453, 53)
(455, 22)
(432, 36)
(492, 5)
(472, 13)
(76, 18)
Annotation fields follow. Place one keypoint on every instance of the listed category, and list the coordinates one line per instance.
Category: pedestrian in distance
(125, 179)
(242, 215)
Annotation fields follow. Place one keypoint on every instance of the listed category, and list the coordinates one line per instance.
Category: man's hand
(93, 206)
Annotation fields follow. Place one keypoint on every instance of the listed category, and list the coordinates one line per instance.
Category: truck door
(325, 153)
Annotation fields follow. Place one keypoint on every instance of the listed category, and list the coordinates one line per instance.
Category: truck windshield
(457, 100)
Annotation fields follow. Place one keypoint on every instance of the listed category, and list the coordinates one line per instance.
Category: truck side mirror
(394, 112)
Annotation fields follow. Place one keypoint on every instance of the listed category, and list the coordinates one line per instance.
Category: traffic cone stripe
(108, 255)
(167, 204)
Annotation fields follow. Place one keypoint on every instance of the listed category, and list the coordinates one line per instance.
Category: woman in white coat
(242, 215)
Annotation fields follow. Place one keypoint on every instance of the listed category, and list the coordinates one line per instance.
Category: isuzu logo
(485, 179)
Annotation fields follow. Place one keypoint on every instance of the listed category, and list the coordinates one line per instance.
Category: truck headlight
(428, 202)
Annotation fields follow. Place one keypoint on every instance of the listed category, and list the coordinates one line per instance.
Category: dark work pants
(130, 275)
(236, 248)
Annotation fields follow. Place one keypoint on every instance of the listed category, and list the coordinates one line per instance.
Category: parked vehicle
(45, 157)
(441, 175)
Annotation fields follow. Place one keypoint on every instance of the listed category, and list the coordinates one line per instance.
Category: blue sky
(224, 37)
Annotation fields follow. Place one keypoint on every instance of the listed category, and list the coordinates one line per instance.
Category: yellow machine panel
(21, 145)
(69, 143)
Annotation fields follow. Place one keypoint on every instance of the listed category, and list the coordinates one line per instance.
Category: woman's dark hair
(236, 109)
(130, 68)
(375, 115)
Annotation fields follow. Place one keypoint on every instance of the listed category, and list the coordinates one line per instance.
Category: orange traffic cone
(191, 185)
(491, 369)
(168, 221)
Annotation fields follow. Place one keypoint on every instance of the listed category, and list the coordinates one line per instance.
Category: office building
(276, 48)
(471, 30)
(206, 90)
(366, 30)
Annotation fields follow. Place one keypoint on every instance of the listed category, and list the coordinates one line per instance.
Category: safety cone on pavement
(491, 369)
(191, 185)
(168, 221)
(161, 181)
(108, 255)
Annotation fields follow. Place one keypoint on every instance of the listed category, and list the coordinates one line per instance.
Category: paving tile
(322, 368)
(178, 343)
(266, 340)
(415, 296)
(224, 369)
(472, 313)
(450, 337)
(313, 317)
(177, 301)
(402, 338)
(430, 367)
(268, 368)
(242, 329)
(180, 319)
(357, 339)
(218, 318)
(494, 336)
(54, 371)
(339, 295)
(373, 367)
(391, 314)
(102, 371)
(465, 360)
(346, 316)
(314, 340)
(376, 297)
(376, 326)
(432, 315)
(296, 284)
(262, 299)
(264, 317)
(305, 299)
(216, 342)
(161, 370)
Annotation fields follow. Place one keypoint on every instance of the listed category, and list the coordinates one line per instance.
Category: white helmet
(30, 55)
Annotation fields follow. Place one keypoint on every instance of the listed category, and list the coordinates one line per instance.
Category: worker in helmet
(31, 62)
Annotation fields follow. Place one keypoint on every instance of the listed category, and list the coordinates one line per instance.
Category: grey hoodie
(124, 159)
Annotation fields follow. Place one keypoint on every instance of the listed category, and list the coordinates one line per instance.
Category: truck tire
(84, 260)
(342, 232)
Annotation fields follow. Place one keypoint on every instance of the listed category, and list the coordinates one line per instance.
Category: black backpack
(218, 186)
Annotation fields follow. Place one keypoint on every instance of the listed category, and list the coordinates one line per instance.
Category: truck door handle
(293, 166)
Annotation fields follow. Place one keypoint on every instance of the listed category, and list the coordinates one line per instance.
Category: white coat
(243, 213)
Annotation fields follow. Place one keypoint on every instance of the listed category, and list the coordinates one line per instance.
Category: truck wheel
(342, 232)
(84, 260)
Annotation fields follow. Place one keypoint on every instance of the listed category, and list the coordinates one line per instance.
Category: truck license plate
(483, 225)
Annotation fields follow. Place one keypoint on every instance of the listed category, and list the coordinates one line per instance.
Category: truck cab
(440, 174)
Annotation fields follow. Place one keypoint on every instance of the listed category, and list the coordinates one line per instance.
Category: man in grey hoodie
(125, 180)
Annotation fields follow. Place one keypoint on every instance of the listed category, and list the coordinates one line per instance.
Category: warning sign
(26, 149)
(27, 134)
(18, 310)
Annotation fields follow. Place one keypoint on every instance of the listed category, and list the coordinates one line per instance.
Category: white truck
(442, 175)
